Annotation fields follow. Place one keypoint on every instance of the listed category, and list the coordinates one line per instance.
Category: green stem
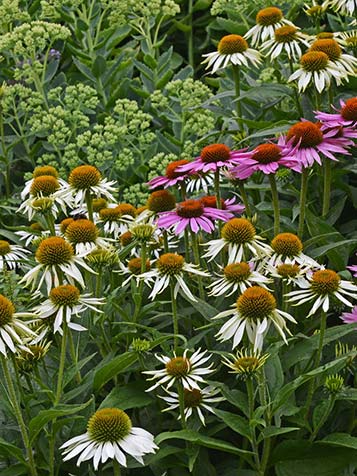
(190, 35)
(141, 284)
(18, 414)
(62, 363)
(244, 196)
(275, 197)
(74, 357)
(236, 77)
(296, 95)
(166, 242)
(267, 416)
(181, 393)
(323, 418)
(250, 393)
(327, 187)
(174, 314)
(303, 195)
(116, 468)
(217, 189)
(50, 224)
(196, 254)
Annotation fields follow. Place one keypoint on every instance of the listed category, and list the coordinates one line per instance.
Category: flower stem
(244, 196)
(74, 357)
(250, 393)
(190, 34)
(17, 409)
(303, 194)
(174, 313)
(275, 197)
(196, 254)
(181, 394)
(327, 188)
(296, 95)
(141, 284)
(62, 363)
(116, 468)
(236, 77)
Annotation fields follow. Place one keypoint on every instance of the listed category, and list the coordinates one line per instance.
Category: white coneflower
(321, 287)
(287, 249)
(287, 38)
(187, 370)
(239, 236)
(171, 267)
(317, 69)
(64, 302)
(253, 313)
(117, 219)
(12, 328)
(267, 21)
(345, 63)
(237, 276)
(346, 7)
(55, 256)
(133, 269)
(195, 400)
(109, 435)
(245, 363)
(11, 255)
(232, 49)
(40, 171)
(290, 272)
(84, 236)
(32, 233)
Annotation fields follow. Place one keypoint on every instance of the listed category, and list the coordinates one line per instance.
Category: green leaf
(45, 416)
(237, 423)
(341, 439)
(271, 431)
(111, 369)
(237, 398)
(131, 395)
(200, 439)
(274, 374)
(15, 470)
(99, 66)
(8, 449)
(322, 250)
(84, 69)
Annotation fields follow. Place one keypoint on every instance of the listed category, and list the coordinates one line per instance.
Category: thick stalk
(296, 95)
(250, 393)
(181, 393)
(190, 35)
(116, 468)
(74, 357)
(276, 207)
(18, 414)
(62, 363)
(303, 195)
(236, 77)
(327, 187)
(244, 196)
(141, 284)
(267, 416)
(174, 313)
(217, 189)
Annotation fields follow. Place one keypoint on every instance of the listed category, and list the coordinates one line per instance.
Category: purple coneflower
(346, 116)
(172, 175)
(228, 204)
(350, 317)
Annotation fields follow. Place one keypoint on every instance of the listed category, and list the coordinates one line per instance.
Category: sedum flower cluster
(122, 11)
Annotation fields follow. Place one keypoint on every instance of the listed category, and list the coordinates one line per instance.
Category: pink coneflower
(353, 269)
(228, 204)
(267, 158)
(350, 317)
(308, 141)
(213, 157)
(346, 116)
(194, 215)
(172, 175)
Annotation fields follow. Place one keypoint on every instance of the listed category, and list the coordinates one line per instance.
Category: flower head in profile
(45, 170)
(268, 20)
(309, 142)
(239, 236)
(350, 317)
(227, 204)
(116, 219)
(345, 7)
(344, 117)
(237, 277)
(288, 39)
(64, 302)
(290, 272)
(11, 255)
(171, 267)
(194, 215)
(245, 363)
(214, 157)
(55, 256)
(317, 69)
(253, 313)
(187, 370)
(84, 236)
(86, 180)
(266, 158)
(13, 327)
(172, 175)
(109, 435)
(345, 63)
(287, 249)
(232, 49)
(322, 286)
(133, 269)
(195, 401)
(32, 233)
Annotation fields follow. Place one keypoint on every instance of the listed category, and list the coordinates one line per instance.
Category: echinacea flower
(226, 204)
(267, 21)
(161, 201)
(11, 255)
(290, 272)
(55, 256)
(350, 317)
(45, 170)
(253, 313)
(194, 400)
(288, 39)
(266, 158)
(172, 175)
(194, 215)
(84, 236)
(109, 435)
(345, 63)
(239, 236)
(214, 157)
(237, 276)
(346, 7)
(317, 69)
(86, 181)
(186, 370)
(64, 302)
(35, 231)
(232, 49)
(322, 286)
(171, 267)
(13, 329)
(310, 142)
(245, 363)
(287, 249)
(353, 269)
(116, 219)
(348, 39)
(346, 116)
(133, 269)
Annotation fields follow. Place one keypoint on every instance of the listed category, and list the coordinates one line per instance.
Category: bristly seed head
(231, 44)
(109, 424)
(314, 61)
(65, 295)
(192, 398)
(309, 133)
(161, 201)
(238, 231)
(171, 169)
(54, 250)
(81, 231)
(285, 34)
(256, 303)
(134, 266)
(237, 272)
(190, 209)
(170, 264)
(287, 244)
(7, 310)
(288, 270)
(44, 185)
(349, 110)
(328, 46)
(269, 16)
(178, 367)
(5, 247)
(267, 153)
(84, 177)
(215, 153)
(45, 170)
(325, 281)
